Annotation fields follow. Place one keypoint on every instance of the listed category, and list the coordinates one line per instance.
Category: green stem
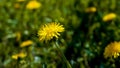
(63, 56)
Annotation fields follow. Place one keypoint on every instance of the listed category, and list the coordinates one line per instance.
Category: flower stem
(62, 55)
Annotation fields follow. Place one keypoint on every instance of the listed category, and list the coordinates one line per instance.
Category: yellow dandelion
(18, 36)
(50, 30)
(91, 9)
(15, 56)
(109, 17)
(33, 5)
(26, 43)
(22, 55)
(19, 55)
(113, 49)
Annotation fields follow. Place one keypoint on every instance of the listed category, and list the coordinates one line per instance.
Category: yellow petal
(26, 43)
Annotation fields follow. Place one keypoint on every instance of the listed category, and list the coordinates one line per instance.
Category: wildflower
(26, 43)
(19, 55)
(15, 56)
(18, 36)
(22, 55)
(33, 5)
(50, 30)
(91, 9)
(113, 49)
(109, 17)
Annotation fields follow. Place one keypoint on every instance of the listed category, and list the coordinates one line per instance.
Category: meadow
(59, 33)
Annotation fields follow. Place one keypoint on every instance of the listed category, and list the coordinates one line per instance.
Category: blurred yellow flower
(109, 17)
(91, 9)
(50, 30)
(26, 43)
(113, 49)
(19, 55)
(18, 36)
(15, 56)
(22, 55)
(33, 5)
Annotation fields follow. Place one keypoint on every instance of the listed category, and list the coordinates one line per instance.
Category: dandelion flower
(33, 5)
(26, 43)
(113, 49)
(109, 17)
(15, 56)
(91, 9)
(22, 55)
(19, 55)
(50, 31)
(18, 36)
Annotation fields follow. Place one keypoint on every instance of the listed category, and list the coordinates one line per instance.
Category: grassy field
(83, 33)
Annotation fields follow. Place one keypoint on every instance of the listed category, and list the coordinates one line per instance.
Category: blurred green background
(83, 42)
